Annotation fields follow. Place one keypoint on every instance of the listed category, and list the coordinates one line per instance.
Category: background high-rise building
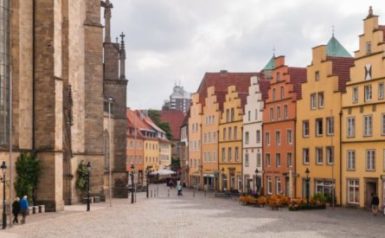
(179, 100)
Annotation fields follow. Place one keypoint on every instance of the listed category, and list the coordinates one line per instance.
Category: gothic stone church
(62, 75)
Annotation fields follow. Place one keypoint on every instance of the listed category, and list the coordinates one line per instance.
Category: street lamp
(3, 169)
(307, 172)
(132, 182)
(147, 179)
(256, 180)
(88, 185)
(223, 179)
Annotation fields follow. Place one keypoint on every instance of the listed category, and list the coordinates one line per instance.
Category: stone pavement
(199, 216)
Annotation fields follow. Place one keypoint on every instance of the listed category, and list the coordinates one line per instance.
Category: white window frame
(317, 127)
(370, 160)
(278, 137)
(381, 91)
(330, 126)
(268, 159)
(269, 185)
(351, 127)
(306, 159)
(313, 101)
(354, 184)
(278, 185)
(368, 125)
(319, 155)
(277, 160)
(321, 100)
(329, 151)
(246, 159)
(355, 95)
(289, 159)
(289, 136)
(383, 124)
(267, 138)
(305, 128)
(351, 160)
(247, 138)
(368, 93)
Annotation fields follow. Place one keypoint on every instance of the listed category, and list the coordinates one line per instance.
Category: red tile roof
(297, 77)
(175, 120)
(222, 80)
(341, 68)
(264, 86)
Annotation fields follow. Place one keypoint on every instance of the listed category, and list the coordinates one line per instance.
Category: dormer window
(316, 76)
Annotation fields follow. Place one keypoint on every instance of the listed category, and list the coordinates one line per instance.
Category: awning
(209, 175)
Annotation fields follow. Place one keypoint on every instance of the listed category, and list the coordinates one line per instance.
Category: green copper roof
(270, 65)
(335, 49)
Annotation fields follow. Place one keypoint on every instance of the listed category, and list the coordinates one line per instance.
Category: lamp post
(132, 182)
(147, 179)
(223, 179)
(256, 180)
(307, 172)
(110, 101)
(88, 185)
(3, 169)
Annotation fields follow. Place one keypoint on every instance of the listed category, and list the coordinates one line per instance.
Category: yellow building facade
(363, 120)
(210, 125)
(151, 154)
(230, 142)
(194, 137)
(317, 127)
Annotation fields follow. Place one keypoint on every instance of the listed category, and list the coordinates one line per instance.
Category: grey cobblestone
(198, 217)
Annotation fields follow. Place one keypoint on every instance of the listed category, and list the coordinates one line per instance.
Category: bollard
(157, 191)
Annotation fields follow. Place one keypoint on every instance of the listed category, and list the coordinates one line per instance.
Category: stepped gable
(175, 120)
(297, 77)
(341, 68)
(264, 86)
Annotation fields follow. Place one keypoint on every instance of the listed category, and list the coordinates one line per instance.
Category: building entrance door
(370, 188)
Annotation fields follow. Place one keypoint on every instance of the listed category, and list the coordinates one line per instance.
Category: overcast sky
(171, 41)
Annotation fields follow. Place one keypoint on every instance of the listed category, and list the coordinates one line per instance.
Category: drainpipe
(340, 122)
(33, 74)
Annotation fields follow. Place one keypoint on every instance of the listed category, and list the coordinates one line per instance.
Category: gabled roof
(175, 120)
(222, 80)
(341, 68)
(335, 49)
(264, 86)
(297, 77)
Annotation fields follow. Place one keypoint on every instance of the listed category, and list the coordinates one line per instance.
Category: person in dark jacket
(375, 202)
(24, 208)
(16, 210)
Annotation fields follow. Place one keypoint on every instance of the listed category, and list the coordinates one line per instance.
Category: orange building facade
(279, 128)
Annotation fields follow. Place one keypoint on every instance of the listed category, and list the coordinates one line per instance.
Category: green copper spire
(335, 49)
(270, 65)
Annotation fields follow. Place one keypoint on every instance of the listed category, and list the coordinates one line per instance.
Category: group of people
(20, 207)
(170, 184)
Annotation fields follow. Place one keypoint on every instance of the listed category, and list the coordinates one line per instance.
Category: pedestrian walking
(16, 210)
(24, 208)
(179, 188)
(375, 202)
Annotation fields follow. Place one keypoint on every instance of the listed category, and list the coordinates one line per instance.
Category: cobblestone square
(195, 216)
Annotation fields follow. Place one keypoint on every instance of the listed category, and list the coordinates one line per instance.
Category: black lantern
(307, 172)
(88, 185)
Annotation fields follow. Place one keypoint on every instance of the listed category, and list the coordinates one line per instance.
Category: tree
(165, 126)
(82, 177)
(28, 173)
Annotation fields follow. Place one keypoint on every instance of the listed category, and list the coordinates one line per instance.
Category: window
(330, 154)
(316, 76)
(269, 185)
(247, 159)
(227, 115)
(368, 92)
(236, 153)
(330, 126)
(351, 127)
(258, 136)
(370, 159)
(224, 133)
(259, 164)
(230, 133)
(368, 47)
(355, 95)
(278, 112)
(383, 124)
(318, 127)
(229, 154)
(305, 128)
(282, 92)
(278, 76)
(318, 155)
(277, 160)
(285, 112)
(305, 155)
(278, 185)
(368, 72)
(268, 159)
(248, 115)
(289, 158)
(223, 154)
(289, 136)
(321, 101)
(271, 114)
(353, 191)
(267, 138)
(351, 160)
(232, 114)
(313, 101)
(381, 92)
(256, 114)
(235, 132)
(278, 138)
(368, 125)
(273, 94)
(246, 138)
